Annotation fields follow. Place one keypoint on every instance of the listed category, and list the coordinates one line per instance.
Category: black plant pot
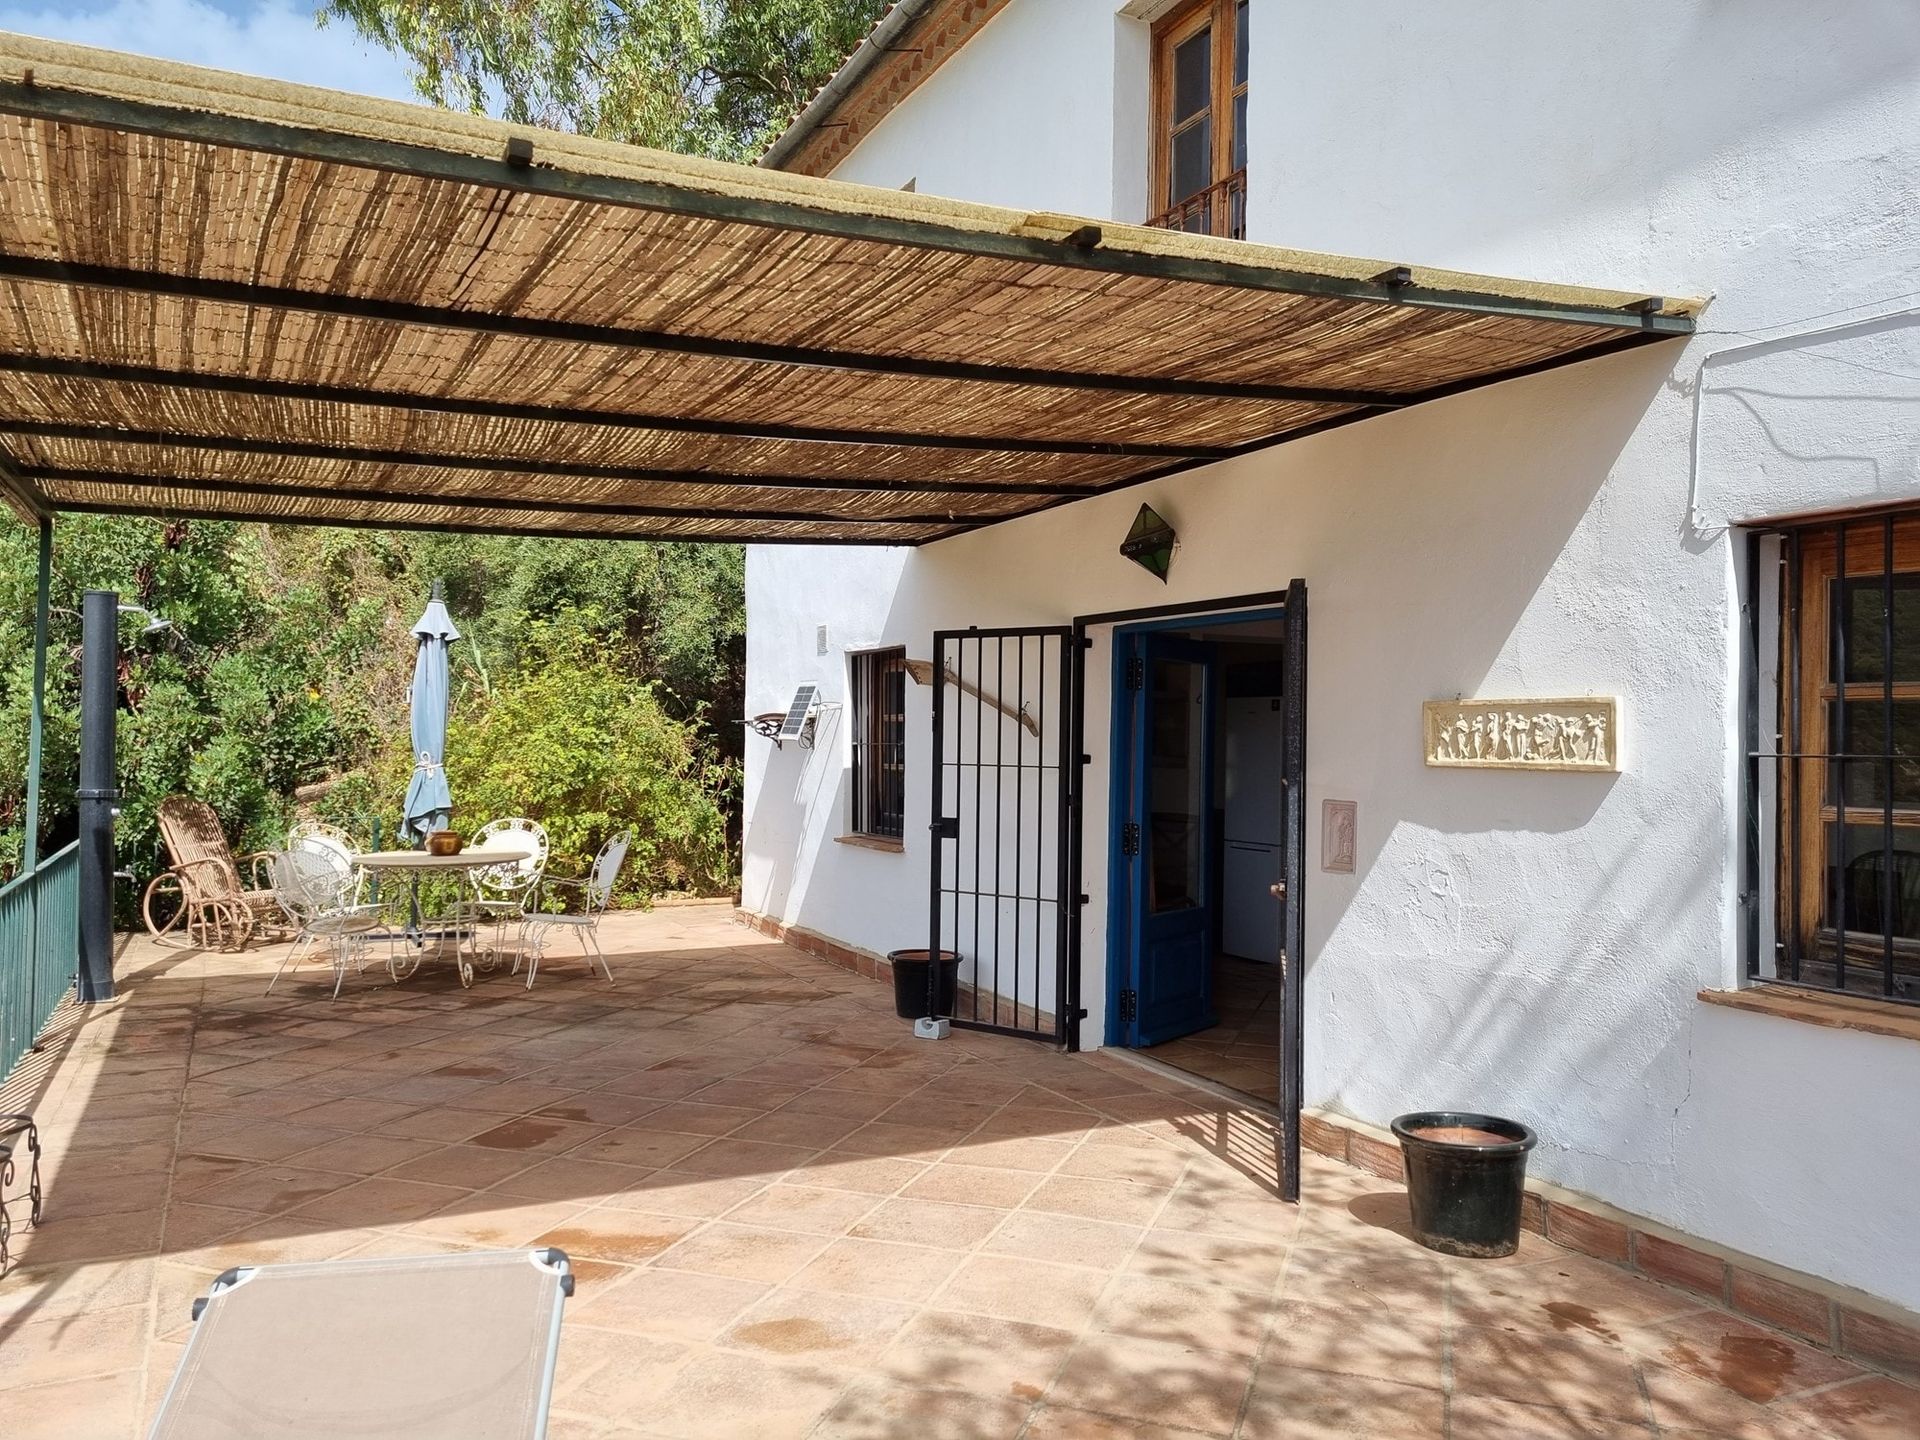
(1466, 1175)
(910, 982)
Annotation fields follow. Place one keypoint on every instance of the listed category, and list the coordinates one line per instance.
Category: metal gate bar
(1002, 703)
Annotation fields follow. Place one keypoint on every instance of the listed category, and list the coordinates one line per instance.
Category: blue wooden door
(1170, 857)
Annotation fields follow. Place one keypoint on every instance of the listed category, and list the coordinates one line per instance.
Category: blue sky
(279, 38)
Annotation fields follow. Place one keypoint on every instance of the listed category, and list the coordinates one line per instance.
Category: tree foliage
(705, 77)
(287, 662)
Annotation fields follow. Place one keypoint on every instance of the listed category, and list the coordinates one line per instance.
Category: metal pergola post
(99, 686)
(37, 711)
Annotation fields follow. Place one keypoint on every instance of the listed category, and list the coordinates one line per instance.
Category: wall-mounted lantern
(1149, 544)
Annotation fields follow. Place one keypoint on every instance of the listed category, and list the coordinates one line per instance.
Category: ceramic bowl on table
(444, 842)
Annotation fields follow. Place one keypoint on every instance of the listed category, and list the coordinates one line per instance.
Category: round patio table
(416, 863)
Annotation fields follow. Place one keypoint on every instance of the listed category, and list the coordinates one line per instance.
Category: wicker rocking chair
(202, 900)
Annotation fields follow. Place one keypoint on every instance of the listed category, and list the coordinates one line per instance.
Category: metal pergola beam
(511, 465)
(247, 385)
(455, 527)
(365, 309)
(457, 504)
(41, 101)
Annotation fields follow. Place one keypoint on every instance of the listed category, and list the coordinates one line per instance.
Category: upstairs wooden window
(879, 693)
(1200, 119)
(1844, 775)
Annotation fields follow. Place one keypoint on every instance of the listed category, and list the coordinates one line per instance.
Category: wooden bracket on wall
(922, 673)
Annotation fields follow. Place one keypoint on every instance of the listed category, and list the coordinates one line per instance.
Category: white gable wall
(1521, 943)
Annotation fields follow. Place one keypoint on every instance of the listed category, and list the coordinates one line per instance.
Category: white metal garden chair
(308, 886)
(503, 894)
(330, 845)
(595, 891)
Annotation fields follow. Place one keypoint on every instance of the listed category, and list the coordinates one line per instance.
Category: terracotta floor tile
(1290, 1404)
(497, 1222)
(796, 1127)
(929, 1222)
(471, 1167)
(380, 1201)
(1067, 1239)
(870, 1175)
(1238, 1263)
(1686, 1406)
(353, 1113)
(972, 1185)
(102, 1407)
(1054, 1422)
(803, 1207)
(1483, 1415)
(726, 1393)
(624, 1235)
(1115, 1201)
(270, 1189)
(1154, 1381)
(672, 1304)
(813, 1325)
(538, 1135)
(563, 1177)
(977, 1353)
(875, 1410)
(90, 1238)
(875, 1268)
(1159, 1166)
(29, 1293)
(674, 1192)
(743, 1252)
(1202, 1316)
(1875, 1408)
(599, 1108)
(1375, 1344)
(1579, 1372)
(1564, 1294)
(100, 1342)
(1757, 1364)
(444, 1125)
(1020, 1289)
(635, 1146)
(1409, 1284)
(611, 1373)
(363, 1154)
(253, 1139)
(1018, 1154)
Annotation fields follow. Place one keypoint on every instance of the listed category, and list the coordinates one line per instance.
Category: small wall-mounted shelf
(922, 673)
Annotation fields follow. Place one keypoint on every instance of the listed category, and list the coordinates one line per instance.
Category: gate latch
(947, 827)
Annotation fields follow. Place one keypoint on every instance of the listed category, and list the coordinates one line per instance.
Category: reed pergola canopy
(229, 297)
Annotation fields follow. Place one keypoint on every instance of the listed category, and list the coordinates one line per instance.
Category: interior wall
(1527, 944)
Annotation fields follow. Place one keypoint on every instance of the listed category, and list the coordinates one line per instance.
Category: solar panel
(797, 713)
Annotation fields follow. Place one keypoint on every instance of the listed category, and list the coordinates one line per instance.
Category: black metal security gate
(997, 891)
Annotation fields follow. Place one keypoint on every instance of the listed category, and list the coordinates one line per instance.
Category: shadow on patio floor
(789, 1217)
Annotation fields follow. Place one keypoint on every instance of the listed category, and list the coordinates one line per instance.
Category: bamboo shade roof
(228, 297)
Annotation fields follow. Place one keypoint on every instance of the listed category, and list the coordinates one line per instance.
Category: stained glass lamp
(1150, 543)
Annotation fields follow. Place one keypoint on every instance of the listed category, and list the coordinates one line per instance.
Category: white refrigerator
(1250, 915)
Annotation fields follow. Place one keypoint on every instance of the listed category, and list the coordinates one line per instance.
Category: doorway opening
(1200, 845)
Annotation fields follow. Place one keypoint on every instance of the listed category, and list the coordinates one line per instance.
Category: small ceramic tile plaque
(1338, 819)
(1566, 735)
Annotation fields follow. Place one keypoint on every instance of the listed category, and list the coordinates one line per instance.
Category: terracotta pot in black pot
(1466, 1174)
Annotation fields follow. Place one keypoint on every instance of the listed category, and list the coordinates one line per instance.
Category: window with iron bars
(879, 714)
(1832, 884)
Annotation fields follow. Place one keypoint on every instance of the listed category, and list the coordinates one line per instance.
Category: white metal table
(415, 864)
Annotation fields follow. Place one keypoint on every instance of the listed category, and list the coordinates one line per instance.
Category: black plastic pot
(1466, 1174)
(910, 982)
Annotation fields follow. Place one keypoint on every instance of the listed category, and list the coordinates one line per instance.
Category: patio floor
(791, 1218)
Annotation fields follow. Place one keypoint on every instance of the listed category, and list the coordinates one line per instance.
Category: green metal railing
(39, 949)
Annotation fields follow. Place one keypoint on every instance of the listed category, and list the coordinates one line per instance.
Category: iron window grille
(879, 743)
(1831, 888)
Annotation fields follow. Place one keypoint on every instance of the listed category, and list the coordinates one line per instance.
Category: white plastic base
(927, 1028)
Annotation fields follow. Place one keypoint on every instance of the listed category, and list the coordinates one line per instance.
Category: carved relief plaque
(1339, 821)
(1524, 734)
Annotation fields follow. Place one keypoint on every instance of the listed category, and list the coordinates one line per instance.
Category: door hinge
(1136, 673)
(1130, 839)
(1129, 1004)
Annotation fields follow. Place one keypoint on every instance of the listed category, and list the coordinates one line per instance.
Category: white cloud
(276, 38)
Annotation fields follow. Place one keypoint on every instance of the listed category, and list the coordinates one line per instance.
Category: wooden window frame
(1169, 32)
(876, 798)
(1811, 797)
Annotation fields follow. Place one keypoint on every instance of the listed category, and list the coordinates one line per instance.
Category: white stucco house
(1628, 900)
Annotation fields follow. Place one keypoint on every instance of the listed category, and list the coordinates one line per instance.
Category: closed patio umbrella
(429, 803)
